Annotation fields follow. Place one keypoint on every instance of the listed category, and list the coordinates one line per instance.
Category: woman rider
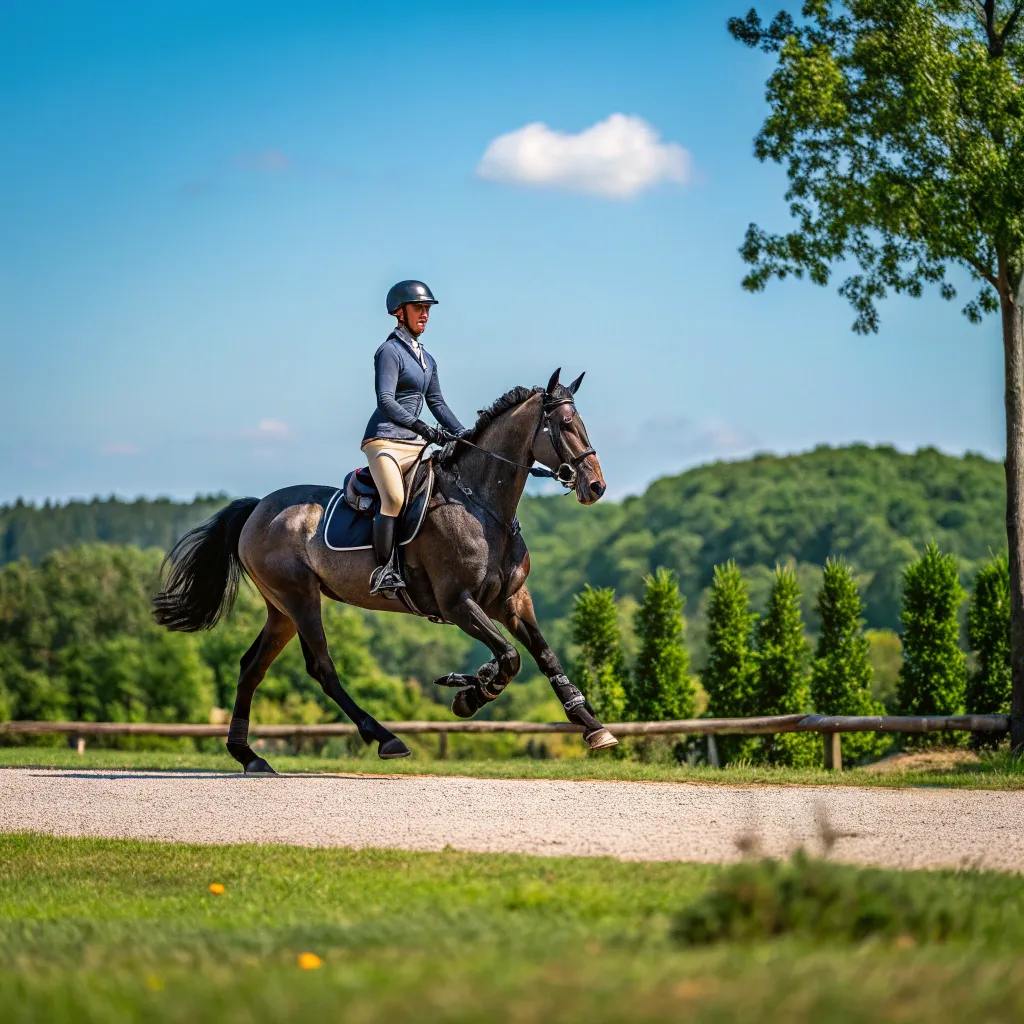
(405, 374)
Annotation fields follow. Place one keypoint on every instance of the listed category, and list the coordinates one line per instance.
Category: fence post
(713, 752)
(833, 751)
(442, 746)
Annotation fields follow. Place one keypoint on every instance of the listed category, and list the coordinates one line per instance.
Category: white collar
(414, 344)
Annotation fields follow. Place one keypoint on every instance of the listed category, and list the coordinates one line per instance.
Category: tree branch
(984, 272)
(1011, 23)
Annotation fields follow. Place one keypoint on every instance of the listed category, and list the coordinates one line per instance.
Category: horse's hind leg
(519, 617)
(491, 678)
(320, 666)
(278, 630)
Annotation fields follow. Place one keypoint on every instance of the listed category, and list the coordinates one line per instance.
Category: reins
(566, 474)
(538, 471)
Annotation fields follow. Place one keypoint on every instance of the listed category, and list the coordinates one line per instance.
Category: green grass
(997, 771)
(111, 931)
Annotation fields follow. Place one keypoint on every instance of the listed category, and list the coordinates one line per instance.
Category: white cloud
(617, 158)
(272, 428)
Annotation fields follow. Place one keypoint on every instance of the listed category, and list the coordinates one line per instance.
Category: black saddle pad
(345, 529)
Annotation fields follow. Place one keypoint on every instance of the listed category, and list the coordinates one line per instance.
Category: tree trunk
(1013, 347)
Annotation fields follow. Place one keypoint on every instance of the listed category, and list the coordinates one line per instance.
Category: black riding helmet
(409, 291)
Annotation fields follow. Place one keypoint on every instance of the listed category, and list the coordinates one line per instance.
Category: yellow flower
(309, 961)
(154, 983)
(217, 889)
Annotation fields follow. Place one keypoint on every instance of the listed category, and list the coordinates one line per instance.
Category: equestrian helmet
(409, 291)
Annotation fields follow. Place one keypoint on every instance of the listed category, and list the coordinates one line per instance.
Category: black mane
(509, 400)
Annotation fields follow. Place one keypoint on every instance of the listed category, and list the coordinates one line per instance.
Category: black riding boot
(386, 578)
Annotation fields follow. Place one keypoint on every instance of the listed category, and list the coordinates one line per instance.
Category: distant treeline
(29, 531)
(877, 507)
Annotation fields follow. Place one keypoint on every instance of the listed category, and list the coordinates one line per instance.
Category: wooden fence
(830, 727)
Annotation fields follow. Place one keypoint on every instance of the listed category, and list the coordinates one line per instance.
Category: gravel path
(631, 820)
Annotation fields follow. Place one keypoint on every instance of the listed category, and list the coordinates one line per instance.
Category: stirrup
(386, 580)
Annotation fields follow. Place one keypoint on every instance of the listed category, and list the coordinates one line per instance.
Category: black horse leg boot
(386, 578)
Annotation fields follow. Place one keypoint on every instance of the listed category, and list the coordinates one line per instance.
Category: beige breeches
(388, 460)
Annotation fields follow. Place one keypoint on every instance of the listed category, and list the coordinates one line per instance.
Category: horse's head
(562, 443)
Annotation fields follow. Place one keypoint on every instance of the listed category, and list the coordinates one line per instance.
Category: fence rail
(830, 728)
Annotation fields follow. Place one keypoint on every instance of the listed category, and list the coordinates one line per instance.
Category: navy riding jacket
(402, 383)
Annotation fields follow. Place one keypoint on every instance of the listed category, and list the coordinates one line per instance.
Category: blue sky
(202, 205)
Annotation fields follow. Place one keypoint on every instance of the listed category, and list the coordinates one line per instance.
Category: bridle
(567, 473)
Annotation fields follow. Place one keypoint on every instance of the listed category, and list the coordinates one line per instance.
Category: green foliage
(288, 693)
(77, 641)
(988, 629)
(599, 669)
(731, 672)
(885, 653)
(412, 648)
(661, 687)
(898, 123)
(781, 685)
(934, 673)
(819, 901)
(875, 506)
(31, 532)
(841, 672)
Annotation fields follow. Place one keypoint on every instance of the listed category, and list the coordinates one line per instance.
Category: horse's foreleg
(491, 678)
(278, 630)
(519, 617)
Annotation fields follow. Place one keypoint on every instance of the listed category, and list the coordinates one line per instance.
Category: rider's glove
(446, 435)
(432, 435)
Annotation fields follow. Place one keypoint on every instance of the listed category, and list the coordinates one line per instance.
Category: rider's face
(416, 315)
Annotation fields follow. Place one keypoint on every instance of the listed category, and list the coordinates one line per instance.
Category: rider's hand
(445, 435)
(432, 435)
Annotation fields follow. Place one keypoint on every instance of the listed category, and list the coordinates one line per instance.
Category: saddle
(348, 518)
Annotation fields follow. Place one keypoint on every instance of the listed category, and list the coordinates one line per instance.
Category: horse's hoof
(600, 739)
(392, 748)
(257, 766)
(466, 704)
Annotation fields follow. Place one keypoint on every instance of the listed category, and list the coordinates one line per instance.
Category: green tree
(731, 672)
(934, 673)
(841, 671)
(77, 640)
(899, 124)
(782, 683)
(988, 630)
(599, 668)
(661, 688)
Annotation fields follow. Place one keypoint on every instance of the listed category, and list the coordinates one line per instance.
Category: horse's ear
(553, 383)
(575, 385)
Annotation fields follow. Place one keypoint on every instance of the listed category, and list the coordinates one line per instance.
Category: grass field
(111, 931)
(957, 769)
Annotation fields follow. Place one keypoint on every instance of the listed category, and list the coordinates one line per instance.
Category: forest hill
(876, 507)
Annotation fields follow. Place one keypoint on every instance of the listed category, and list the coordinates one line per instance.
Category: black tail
(205, 570)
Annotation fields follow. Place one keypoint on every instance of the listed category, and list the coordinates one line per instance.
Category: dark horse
(468, 565)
